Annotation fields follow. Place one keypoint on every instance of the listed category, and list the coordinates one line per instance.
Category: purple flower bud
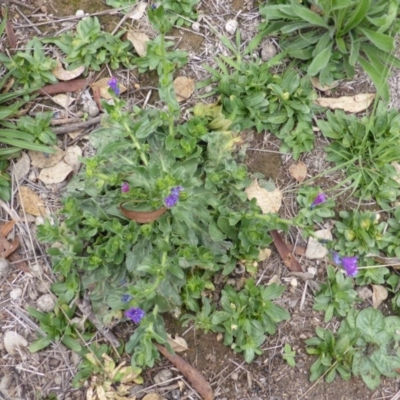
(125, 187)
(173, 197)
(321, 198)
(336, 258)
(126, 298)
(350, 266)
(113, 83)
(135, 314)
(171, 200)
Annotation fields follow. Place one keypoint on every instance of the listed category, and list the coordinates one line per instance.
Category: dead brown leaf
(379, 294)
(21, 167)
(31, 202)
(177, 343)
(72, 157)
(55, 174)
(323, 88)
(44, 160)
(102, 86)
(196, 379)
(354, 104)
(264, 254)
(137, 11)
(394, 262)
(287, 257)
(63, 100)
(7, 248)
(269, 202)
(298, 171)
(63, 75)
(6, 228)
(12, 39)
(139, 41)
(184, 88)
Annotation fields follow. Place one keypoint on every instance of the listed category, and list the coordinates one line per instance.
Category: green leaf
(272, 291)
(370, 322)
(320, 61)
(71, 343)
(357, 16)
(378, 76)
(307, 15)
(39, 344)
(380, 40)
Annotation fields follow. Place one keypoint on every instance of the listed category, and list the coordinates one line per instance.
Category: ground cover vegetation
(161, 208)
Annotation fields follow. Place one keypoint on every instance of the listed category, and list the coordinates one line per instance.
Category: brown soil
(268, 377)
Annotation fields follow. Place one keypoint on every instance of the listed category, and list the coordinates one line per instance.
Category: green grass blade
(307, 15)
(377, 77)
(320, 61)
(357, 16)
(380, 40)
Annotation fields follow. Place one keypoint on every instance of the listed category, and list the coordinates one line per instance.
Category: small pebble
(175, 394)
(5, 268)
(162, 376)
(293, 282)
(46, 303)
(79, 13)
(268, 51)
(234, 376)
(196, 26)
(16, 293)
(231, 26)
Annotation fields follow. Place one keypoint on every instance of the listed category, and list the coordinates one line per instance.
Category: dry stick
(74, 127)
(27, 20)
(19, 3)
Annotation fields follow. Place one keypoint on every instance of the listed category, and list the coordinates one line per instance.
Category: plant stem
(136, 144)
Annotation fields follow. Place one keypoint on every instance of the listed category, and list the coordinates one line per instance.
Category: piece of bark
(196, 379)
(287, 257)
(65, 87)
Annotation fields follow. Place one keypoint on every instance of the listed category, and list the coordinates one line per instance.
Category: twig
(20, 3)
(74, 127)
(64, 121)
(29, 22)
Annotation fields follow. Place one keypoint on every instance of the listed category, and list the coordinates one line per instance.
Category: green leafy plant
(333, 37)
(309, 215)
(246, 316)
(252, 97)
(289, 355)
(334, 352)
(57, 328)
(393, 248)
(38, 128)
(378, 350)
(31, 68)
(336, 296)
(366, 148)
(157, 53)
(92, 47)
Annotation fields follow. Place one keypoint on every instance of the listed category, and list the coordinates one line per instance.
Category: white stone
(16, 293)
(5, 268)
(231, 26)
(14, 341)
(196, 26)
(45, 303)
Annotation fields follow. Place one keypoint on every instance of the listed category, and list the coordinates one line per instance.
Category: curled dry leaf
(137, 11)
(63, 75)
(315, 249)
(323, 88)
(184, 87)
(379, 294)
(264, 254)
(354, 104)
(298, 171)
(14, 341)
(21, 167)
(31, 202)
(102, 86)
(63, 100)
(72, 157)
(44, 160)
(139, 41)
(55, 174)
(177, 343)
(269, 202)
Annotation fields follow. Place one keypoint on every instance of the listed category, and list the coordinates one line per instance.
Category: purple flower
(336, 258)
(135, 314)
(173, 197)
(350, 266)
(126, 298)
(125, 187)
(321, 198)
(113, 83)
